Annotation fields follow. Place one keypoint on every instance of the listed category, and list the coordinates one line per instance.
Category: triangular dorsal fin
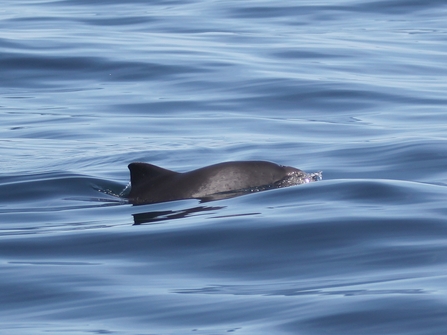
(144, 172)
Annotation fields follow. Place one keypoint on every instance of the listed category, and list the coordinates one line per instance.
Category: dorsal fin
(143, 172)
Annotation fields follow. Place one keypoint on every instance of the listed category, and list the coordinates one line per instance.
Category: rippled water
(356, 89)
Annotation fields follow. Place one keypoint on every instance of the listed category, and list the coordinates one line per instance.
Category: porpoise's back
(151, 184)
(233, 176)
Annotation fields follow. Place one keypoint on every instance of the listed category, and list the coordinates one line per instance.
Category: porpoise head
(296, 176)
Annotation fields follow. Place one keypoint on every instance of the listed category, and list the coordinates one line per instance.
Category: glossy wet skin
(151, 184)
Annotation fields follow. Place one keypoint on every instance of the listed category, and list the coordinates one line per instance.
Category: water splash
(300, 177)
(315, 176)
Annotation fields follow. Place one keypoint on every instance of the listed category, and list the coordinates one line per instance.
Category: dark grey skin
(152, 184)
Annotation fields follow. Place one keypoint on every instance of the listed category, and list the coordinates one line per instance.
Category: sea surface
(354, 88)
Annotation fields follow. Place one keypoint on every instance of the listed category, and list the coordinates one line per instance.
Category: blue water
(357, 89)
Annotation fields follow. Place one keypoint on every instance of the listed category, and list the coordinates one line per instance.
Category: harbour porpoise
(153, 184)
